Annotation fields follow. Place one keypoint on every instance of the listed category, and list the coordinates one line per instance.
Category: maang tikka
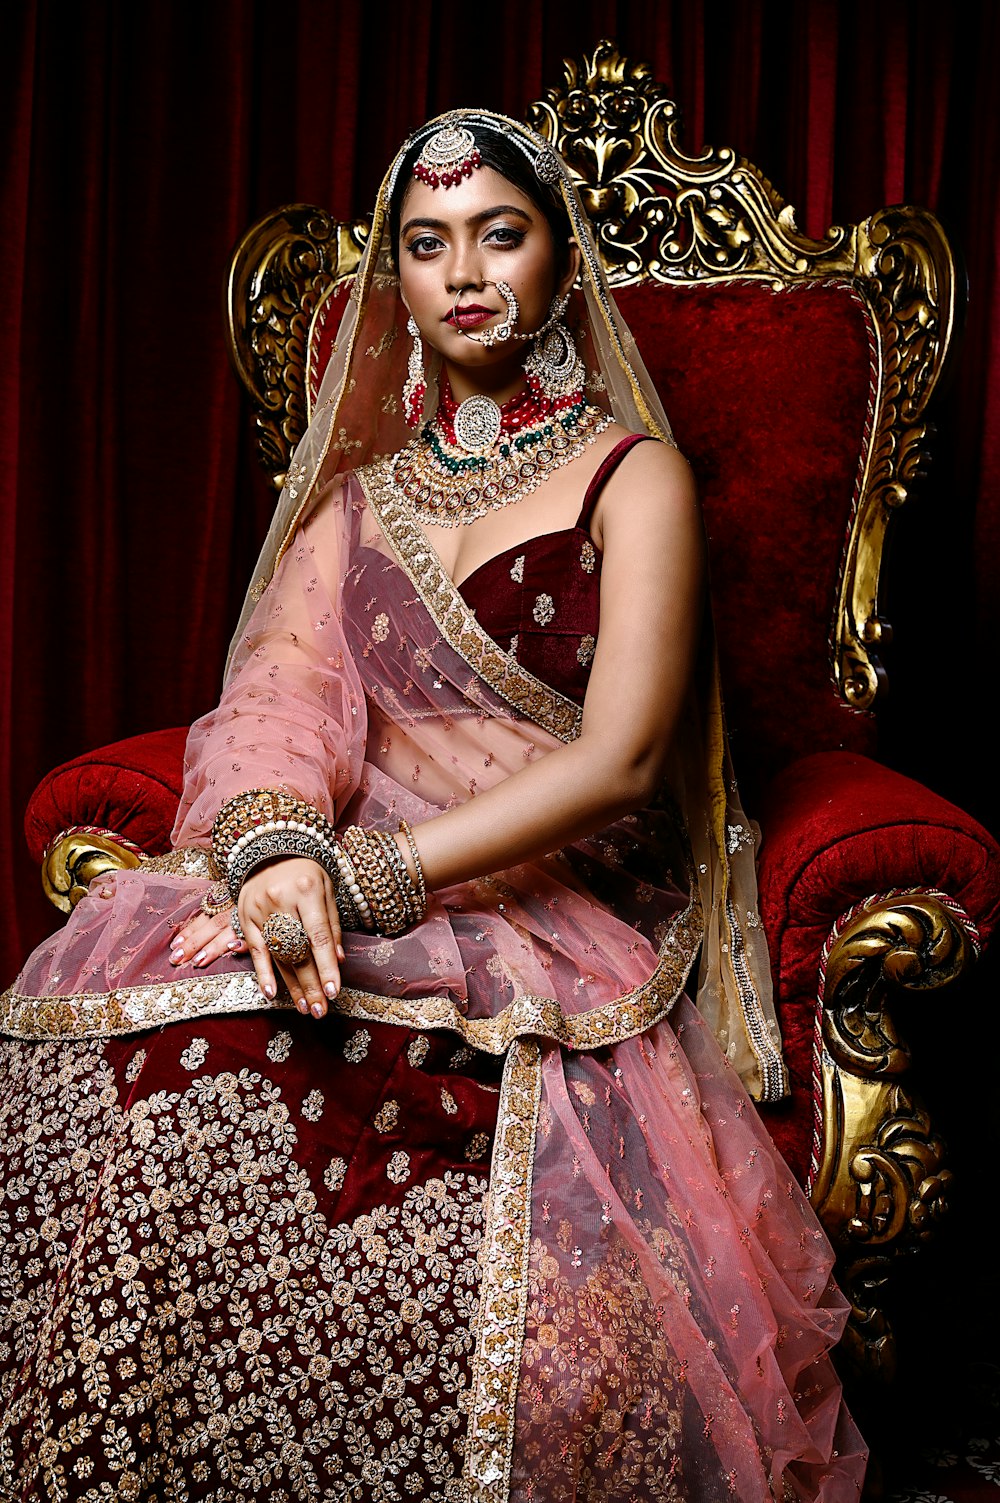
(447, 156)
(415, 385)
(553, 367)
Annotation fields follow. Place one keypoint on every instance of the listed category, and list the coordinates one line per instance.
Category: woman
(476, 847)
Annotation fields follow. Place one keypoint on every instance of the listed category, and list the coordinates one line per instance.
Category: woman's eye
(423, 245)
(504, 236)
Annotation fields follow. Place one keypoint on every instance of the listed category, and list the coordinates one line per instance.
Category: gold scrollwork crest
(279, 275)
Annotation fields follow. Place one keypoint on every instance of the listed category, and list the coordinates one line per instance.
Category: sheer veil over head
(359, 417)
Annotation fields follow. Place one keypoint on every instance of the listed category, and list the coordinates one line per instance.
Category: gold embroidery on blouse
(506, 677)
(585, 651)
(588, 556)
(503, 1299)
(517, 569)
(544, 609)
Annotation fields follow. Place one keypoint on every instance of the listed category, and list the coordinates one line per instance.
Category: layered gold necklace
(475, 457)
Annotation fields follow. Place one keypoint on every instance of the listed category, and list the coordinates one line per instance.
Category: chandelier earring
(415, 385)
(553, 366)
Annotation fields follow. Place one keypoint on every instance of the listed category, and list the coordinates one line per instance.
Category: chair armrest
(841, 830)
(105, 809)
(871, 888)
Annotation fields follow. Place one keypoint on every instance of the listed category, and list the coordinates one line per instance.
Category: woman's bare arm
(652, 584)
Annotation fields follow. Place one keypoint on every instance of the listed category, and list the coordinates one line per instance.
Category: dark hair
(496, 152)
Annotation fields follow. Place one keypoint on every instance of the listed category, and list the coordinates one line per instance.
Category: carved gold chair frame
(661, 215)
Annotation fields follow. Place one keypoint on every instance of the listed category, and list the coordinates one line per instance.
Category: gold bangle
(418, 865)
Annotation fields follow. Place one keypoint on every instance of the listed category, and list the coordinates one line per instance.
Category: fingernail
(331, 989)
(340, 954)
(269, 989)
(318, 1009)
(199, 958)
(233, 944)
(176, 951)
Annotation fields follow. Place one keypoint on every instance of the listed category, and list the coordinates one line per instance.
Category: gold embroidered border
(133, 1009)
(503, 1300)
(459, 627)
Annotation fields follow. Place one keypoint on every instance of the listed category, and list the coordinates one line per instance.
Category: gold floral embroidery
(585, 651)
(280, 1047)
(387, 1116)
(398, 1167)
(333, 1175)
(544, 609)
(449, 1103)
(417, 1050)
(186, 861)
(533, 698)
(184, 1279)
(588, 556)
(313, 1106)
(517, 569)
(477, 1145)
(356, 1048)
(376, 351)
(380, 627)
(597, 1330)
(134, 1067)
(195, 1054)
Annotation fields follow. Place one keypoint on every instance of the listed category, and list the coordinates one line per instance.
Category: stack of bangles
(372, 882)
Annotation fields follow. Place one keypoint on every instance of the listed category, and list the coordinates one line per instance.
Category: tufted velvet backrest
(770, 395)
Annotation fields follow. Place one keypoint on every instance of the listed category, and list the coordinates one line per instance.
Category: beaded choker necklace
(470, 460)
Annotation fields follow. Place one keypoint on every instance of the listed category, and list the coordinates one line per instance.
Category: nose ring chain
(502, 331)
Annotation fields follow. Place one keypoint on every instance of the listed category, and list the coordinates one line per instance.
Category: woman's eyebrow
(441, 224)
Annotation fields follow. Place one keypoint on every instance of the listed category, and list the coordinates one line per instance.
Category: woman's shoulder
(637, 474)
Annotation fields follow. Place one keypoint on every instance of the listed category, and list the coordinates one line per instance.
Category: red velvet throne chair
(796, 374)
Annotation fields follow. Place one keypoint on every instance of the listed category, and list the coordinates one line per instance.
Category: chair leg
(880, 1185)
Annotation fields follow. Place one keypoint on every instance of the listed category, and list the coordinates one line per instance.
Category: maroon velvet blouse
(540, 600)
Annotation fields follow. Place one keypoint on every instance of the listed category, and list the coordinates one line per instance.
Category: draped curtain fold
(140, 141)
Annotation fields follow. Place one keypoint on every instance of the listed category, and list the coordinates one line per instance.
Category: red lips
(470, 316)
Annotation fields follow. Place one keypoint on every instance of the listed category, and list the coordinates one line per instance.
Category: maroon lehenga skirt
(240, 1260)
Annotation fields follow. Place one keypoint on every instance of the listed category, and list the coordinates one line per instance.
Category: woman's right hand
(293, 885)
(301, 888)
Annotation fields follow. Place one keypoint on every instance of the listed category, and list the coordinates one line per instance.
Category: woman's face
(455, 244)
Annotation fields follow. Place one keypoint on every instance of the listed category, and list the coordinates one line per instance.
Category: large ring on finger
(285, 938)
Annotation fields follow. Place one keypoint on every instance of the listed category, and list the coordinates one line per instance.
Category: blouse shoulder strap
(604, 471)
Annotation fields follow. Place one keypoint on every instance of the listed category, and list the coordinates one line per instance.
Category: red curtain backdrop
(140, 141)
